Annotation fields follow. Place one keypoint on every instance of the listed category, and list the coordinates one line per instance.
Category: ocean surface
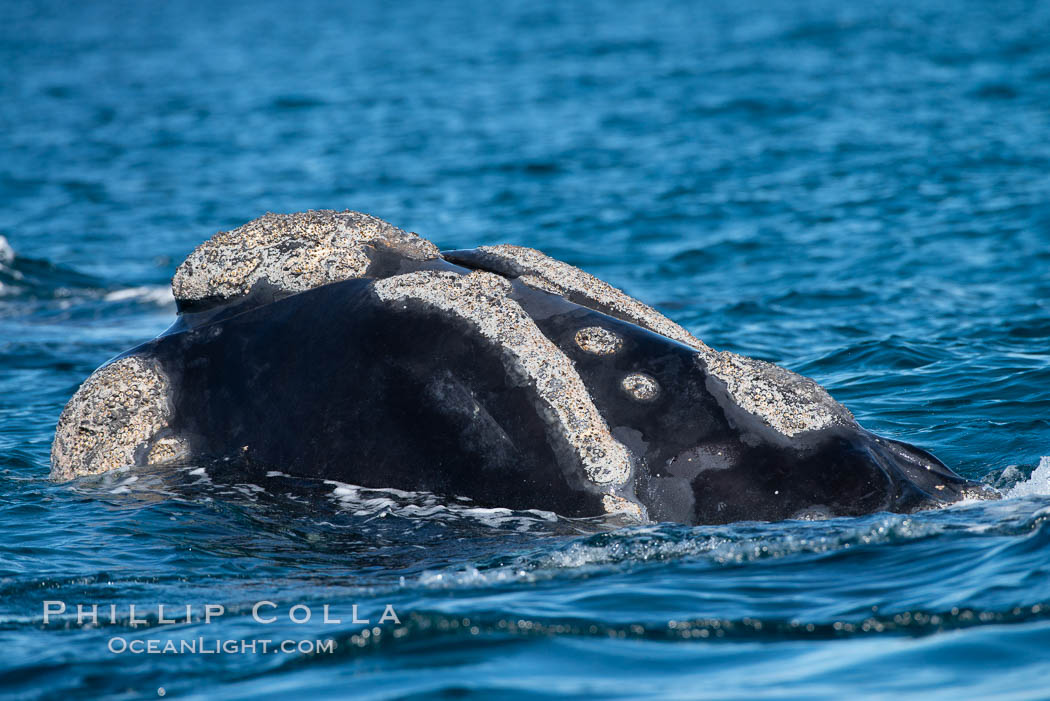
(859, 191)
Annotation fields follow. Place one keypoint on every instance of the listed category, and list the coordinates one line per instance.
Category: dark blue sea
(859, 191)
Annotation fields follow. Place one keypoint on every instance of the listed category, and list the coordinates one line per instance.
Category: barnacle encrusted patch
(166, 450)
(598, 341)
(117, 410)
(482, 299)
(786, 401)
(293, 252)
(618, 505)
(539, 270)
(640, 386)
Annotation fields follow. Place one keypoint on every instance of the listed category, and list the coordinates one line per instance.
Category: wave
(33, 283)
(39, 279)
(159, 295)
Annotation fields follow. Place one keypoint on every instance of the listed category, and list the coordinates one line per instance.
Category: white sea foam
(7, 254)
(380, 503)
(147, 294)
(1036, 485)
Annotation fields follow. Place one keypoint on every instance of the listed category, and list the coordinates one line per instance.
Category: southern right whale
(334, 345)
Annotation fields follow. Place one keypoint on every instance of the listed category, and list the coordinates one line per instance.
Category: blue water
(859, 191)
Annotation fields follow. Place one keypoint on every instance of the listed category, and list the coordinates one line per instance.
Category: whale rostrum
(334, 345)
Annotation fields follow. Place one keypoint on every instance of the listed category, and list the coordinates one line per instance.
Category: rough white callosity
(293, 252)
(785, 401)
(551, 275)
(640, 386)
(598, 341)
(117, 410)
(482, 299)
